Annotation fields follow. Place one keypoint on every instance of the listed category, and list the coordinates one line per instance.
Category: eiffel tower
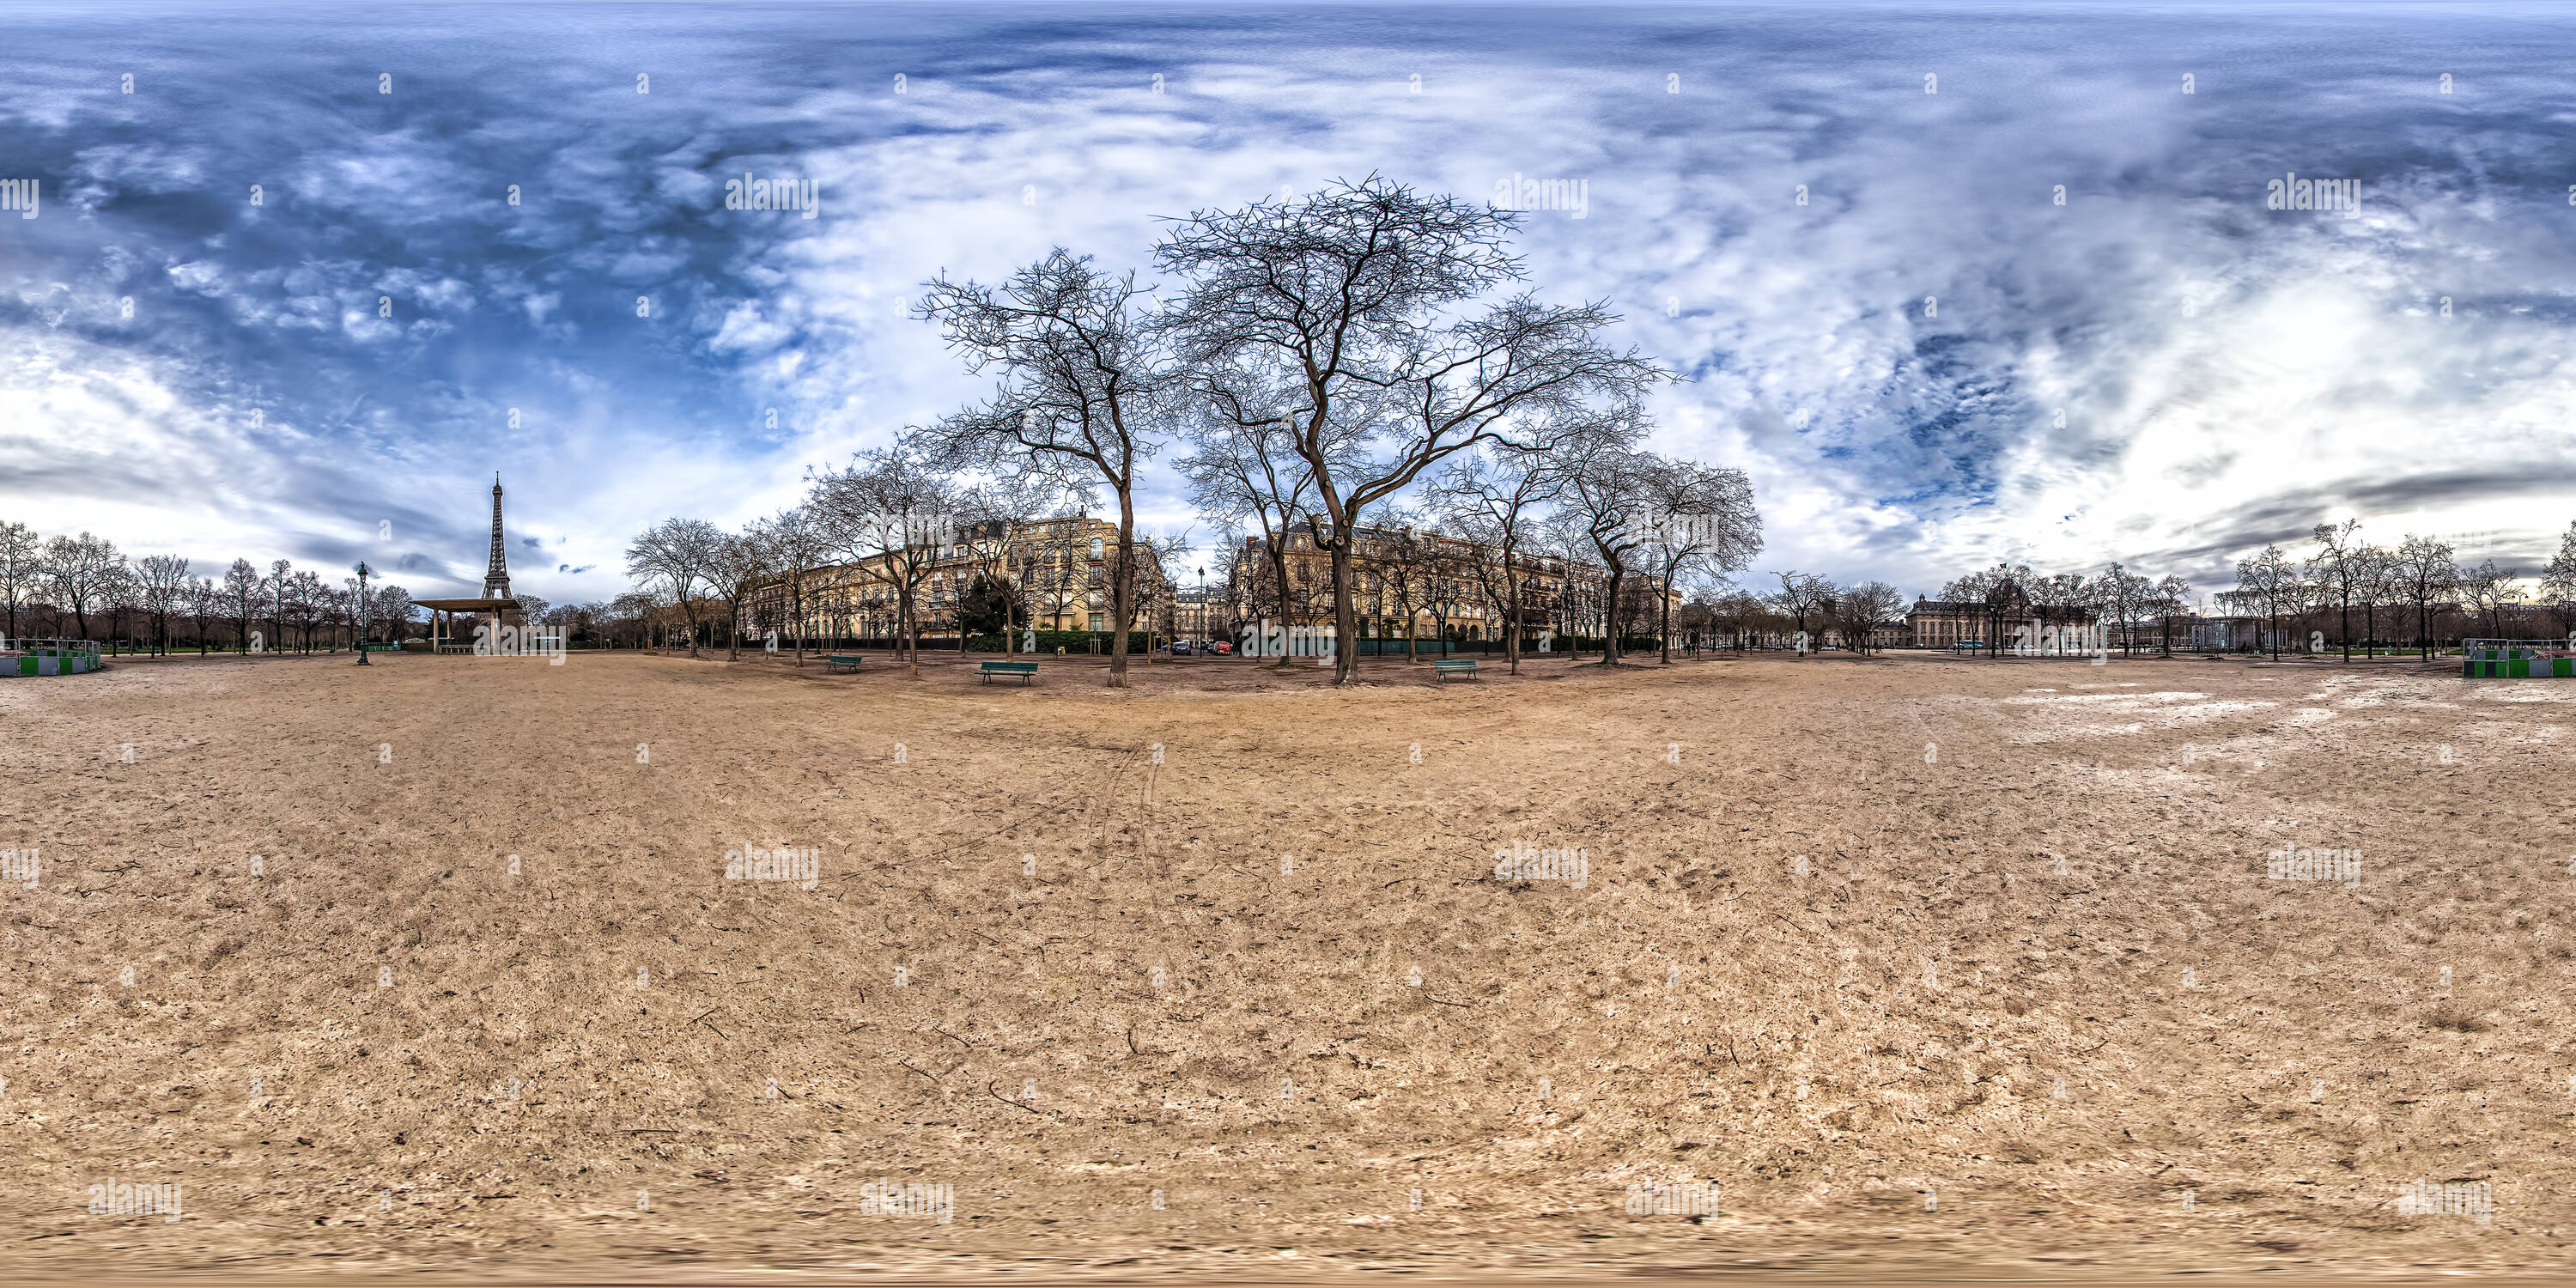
(496, 579)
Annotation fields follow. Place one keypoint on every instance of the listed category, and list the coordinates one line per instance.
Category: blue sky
(1890, 361)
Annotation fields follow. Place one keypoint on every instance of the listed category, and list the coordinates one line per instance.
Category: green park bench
(842, 663)
(1026, 671)
(1463, 667)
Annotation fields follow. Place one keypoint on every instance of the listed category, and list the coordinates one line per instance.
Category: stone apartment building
(1060, 568)
(1445, 579)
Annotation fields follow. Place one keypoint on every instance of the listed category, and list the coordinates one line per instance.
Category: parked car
(1179, 648)
(1221, 648)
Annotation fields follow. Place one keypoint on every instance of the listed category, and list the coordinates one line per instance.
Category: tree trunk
(1346, 640)
(1122, 589)
(907, 633)
(1610, 618)
(1279, 565)
(1664, 625)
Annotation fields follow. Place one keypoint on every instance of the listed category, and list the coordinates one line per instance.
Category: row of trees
(2414, 584)
(74, 586)
(2414, 587)
(1595, 545)
(2116, 597)
(1804, 604)
(1323, 359)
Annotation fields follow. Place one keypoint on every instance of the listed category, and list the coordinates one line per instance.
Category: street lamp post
(362, 610)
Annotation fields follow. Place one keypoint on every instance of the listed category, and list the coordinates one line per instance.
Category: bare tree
(241, 599)
(2272, 581)
(635, 608)
(2336, 570)
(1333, 313)
(305, 603)
(1251, 471)
(678, 554)
(204, 602)
(1083, 384)
(119, 596)
(532, 608)
(2489, 591)
(1860, 610)
(83, 573)
(892, 516)
(2069, 598)
(1703, 522)
(22, 568)
(1397, 562)
(2558, 582)
(2426, 572)
(346, 603)
(2172, 596)
(741, 564)
(2377, 582)
(1801, 596)
(2003, 591)
(1581, 602)
(392, 605)
(1494, 499)
(2126, 598)
(281, 574)
(795, 554)
(164, 582)
(1606, 498)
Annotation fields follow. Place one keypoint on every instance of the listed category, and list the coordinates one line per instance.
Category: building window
(1095, 553)
(1095, 617)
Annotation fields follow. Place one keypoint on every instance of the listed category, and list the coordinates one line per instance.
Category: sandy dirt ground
(1931, 966)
